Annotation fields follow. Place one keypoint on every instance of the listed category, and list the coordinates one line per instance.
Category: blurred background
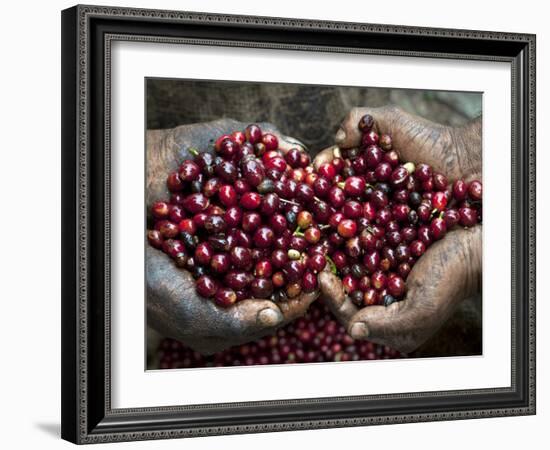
(311, 114)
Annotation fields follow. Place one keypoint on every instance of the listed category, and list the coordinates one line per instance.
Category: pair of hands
(448, 272)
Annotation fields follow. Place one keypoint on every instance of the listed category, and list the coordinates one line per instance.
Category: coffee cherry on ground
(297, 342)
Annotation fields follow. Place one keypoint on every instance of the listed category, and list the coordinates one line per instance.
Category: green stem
(331, 264)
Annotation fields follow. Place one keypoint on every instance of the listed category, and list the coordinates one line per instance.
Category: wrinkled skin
(174, 309)
(450, 270)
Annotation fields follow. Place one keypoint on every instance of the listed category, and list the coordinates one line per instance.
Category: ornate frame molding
(80, 418)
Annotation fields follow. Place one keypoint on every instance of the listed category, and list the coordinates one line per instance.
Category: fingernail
(359, 330)
(294, 141)
(268, 317)
(340, 136)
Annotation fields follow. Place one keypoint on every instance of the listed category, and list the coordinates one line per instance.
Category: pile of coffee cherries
(315, 337)
(387, 215)
(254, 222)
(232, 217)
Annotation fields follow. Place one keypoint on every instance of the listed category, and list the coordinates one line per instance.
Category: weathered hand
(174, 309)
(450, 270)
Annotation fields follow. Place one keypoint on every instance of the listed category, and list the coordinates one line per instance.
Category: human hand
(174, 309)
(450, 270)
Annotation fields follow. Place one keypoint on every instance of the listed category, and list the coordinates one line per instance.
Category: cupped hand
(174, 309)
(450, 270)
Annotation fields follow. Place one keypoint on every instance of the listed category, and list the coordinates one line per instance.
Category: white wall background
(30, 222)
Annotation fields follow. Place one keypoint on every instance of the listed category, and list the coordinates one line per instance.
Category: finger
(414, 138)
(349, 135)
(376, 323)
(332, 292)
(287, 143)
(296, 307)
(255, 318)
(325, 156)
(252, 316)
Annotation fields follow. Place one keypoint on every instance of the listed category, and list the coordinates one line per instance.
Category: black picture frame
(87, 33)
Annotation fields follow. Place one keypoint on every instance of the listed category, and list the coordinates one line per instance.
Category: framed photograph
(280, 224)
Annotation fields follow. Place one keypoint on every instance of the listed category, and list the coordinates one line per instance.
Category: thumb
(446, 274)
(414, 138)
(333, 295)
(326, 156)
(349, 135)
